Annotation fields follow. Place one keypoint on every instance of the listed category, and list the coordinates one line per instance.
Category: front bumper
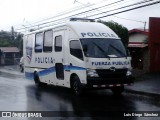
(109, 82)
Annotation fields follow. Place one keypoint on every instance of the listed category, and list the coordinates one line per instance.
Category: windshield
(103, 47)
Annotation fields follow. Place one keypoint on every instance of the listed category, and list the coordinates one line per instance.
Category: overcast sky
(21, 12)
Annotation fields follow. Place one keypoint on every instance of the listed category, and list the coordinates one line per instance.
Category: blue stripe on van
(46, 71)
(69, 67)
(50, 70)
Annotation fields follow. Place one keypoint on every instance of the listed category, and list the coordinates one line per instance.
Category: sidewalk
(146, 84)
(12, 69)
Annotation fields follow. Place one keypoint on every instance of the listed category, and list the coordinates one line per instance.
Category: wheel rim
(76, 87)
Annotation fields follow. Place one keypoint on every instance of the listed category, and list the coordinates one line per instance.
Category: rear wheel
(117, 90)
(77, 86)
(37, 81)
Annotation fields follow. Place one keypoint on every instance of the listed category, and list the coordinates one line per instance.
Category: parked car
(21, 64)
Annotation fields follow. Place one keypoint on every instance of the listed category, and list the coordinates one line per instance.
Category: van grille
(107, 73)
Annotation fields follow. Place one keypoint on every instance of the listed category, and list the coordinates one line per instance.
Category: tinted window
(103, 48)
(39, 42)
(48, 41)
(75, 49)
(59, 71)
(58, 43)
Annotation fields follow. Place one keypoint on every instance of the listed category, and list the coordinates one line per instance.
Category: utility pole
(144, 26)
(12, 33)
(0, 56)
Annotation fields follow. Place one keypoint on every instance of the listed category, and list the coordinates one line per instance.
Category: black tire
(117, 90)
(77, 86)
(37, 81)
(22, 69)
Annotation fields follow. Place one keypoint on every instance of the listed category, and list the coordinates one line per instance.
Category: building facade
(9, 55)
(144, 47)
(138, 47)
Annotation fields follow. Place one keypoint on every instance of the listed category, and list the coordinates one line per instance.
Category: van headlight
(92, 73)
(129, 72)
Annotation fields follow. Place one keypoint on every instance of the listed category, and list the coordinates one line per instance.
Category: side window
(39, 42)
(75, 49)
(48, 41)
(58, 43)
(29, 44)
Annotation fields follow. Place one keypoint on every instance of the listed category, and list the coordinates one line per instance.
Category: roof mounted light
(82, 19)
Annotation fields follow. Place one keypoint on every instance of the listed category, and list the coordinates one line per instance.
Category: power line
(113, 3)
(60, 14)
(128, 19)
(141, 2)
(69, 11)
(129, 9)
(124, 7)
(57, 15)
(72, 15)
(97, 17)
(99, 7)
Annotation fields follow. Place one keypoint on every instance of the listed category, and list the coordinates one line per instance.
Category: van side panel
(75, 65)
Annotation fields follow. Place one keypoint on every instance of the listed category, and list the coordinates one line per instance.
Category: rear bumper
(109, 82)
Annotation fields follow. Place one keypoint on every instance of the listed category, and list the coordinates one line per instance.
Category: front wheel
(77, 86)
(117, 90)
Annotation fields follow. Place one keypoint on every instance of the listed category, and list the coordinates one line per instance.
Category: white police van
(80, 54)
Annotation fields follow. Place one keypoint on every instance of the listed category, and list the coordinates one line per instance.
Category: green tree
(19, 42)
(11, 39)
(120, 30)
(5, 40)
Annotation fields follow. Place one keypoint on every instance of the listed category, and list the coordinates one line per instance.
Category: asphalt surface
(146, 84)
(19, 94)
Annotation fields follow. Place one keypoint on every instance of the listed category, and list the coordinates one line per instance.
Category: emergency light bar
(82, 19)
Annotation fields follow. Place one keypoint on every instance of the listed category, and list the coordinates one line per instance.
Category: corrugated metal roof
(139, 31)
(9, 49)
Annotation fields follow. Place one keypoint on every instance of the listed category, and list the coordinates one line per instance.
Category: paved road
(19, 94)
